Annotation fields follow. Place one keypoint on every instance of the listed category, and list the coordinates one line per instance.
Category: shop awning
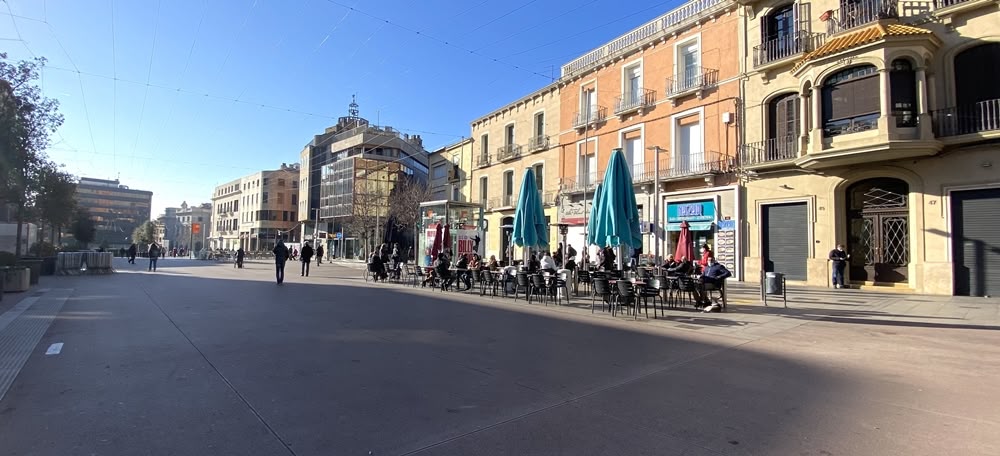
(693, 226)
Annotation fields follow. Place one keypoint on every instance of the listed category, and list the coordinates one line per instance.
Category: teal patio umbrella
(530, 229)
(592, 221)
(616, 220)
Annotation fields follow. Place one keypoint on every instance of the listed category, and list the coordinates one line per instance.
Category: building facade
(874, 123)
(226, 216)
(521, 135)
(194, 226)
(666, 94)
(268, 202)
(450, 172)
(116, 209)
(348, 175)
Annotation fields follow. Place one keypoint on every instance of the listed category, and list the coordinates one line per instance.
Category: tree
(26, 120)
(145, 233)
(404, 203)
(55, 201)
(84, 228)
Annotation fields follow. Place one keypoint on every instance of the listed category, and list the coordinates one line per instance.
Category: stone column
(816, 139)
(923, 112)
(885, 105)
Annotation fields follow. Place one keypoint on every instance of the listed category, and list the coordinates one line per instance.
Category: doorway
(506, 231)
(879, 230)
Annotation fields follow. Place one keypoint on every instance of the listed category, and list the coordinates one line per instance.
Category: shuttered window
(975, 237)
(784, 116)
(851, 101)
(786, 246)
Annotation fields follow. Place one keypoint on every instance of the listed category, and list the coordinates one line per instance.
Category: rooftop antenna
(352, 110)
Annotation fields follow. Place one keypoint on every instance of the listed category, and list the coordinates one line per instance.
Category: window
(688, 154)
(264, 198)
(281, 198)
(632, 83)
(688, 64)
(439, 172)
(455, 194)
(783, 116)
(295, 184)
(284, 216)
(588, 102)
(851, 101)
(903, 89)
(484, 146)
(295, 199)
(777, 31)
(634, 153)
(539, 125)
(484, 189)
(539, 176)
(509, 135)
(587, 162)
(508, 188)
(265, 181)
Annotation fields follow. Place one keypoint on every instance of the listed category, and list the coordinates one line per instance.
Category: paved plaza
(204, 359)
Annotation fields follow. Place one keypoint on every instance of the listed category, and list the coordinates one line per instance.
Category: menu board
(725, 243)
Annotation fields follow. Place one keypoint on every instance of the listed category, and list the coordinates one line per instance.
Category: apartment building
(666, 94)
(116, 209)
(521, 135)
(264, 203)
(874, 123)
(451, 171)
(226, 215)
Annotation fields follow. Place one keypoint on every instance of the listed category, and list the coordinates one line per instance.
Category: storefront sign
(574, 212)
(691, 211)
(726, 225)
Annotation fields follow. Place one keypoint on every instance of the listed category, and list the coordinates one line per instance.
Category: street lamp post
(656, 204)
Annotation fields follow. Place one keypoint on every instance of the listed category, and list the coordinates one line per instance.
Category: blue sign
(338, 236)
(726, 225)
(694, 211)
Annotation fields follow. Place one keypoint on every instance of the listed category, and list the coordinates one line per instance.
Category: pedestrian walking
(280, 257)
(319, 255)
(154, 254)
(839, 258)
(240, 256)
(132, 250)
(306, 257)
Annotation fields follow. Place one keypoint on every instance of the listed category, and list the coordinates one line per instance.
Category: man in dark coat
(280, 257)
(154, 254)
(306, 256)
(319, 254)
(132, 250)
(839, 258)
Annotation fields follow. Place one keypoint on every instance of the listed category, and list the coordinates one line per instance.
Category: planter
(34, 265)
(16, 279)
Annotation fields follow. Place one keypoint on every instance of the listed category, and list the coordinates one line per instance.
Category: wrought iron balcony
(769, 151)
(695, 79)
(549, 198)
(508, 152)
(638, 101)
(538, 143)
(784, 47)
(859, 13)
(483, 160)
(682, 166)
(509, 200)
(966, 120)
(581, 182)
(586, 118)
(946, 3)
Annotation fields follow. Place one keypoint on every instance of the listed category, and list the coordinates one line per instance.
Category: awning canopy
(693, 226)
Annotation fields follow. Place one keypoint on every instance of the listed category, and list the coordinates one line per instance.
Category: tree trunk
(20, 224)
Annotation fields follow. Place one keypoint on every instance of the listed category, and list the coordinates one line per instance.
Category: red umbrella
(436, 246)
(684, 245)
(447, 238)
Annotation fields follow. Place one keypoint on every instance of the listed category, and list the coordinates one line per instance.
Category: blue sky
(179, 96)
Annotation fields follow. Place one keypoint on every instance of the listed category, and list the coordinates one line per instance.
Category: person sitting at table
(463, 275)
(548, 264)
(670, 262)
(609, 259)
(711, 278)
(682, 267)
(476, 262)
(493, 264)
(533, 264)
(442, 267)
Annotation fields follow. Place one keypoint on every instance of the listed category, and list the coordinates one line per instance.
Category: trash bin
(33, 264)
(773, 283)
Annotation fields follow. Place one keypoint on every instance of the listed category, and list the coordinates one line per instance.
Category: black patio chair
(521, 281)
(583, 277)
(602, 288)
(720, 289)
(685, 289)
(627, 297)
(538, 287)
(651, 290)
(477, 278)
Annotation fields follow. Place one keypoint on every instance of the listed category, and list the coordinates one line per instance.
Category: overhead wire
(229, 51)
(508, 13)
(114, 97)
(17, 30)
(558, 16)
(149, 74)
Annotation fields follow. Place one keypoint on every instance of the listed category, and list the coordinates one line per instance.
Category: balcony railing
(772, 150)
(946, 3)
(681, 166)
(694, 79)
(508, 152)
(584, 118)
(549, 198)
(483, 160)
(509, 200)
(863, 12)
(965, 120)
(786, 46)
(629, 102)
(581, 182)
(537, 143)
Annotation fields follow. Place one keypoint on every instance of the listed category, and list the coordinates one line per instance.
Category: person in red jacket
(706, 254)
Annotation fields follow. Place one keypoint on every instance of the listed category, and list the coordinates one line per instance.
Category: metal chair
(685, 288)
(709, 288)
(602, 288)
(521, 281)
(651, 290)
(538, 286)
(626, 294)
(583, 276)
(561, 283)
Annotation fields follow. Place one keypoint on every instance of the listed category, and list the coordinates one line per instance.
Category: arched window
(903, 86)
(977, 94)
(783, 116)
(777, 30)
(851, 101)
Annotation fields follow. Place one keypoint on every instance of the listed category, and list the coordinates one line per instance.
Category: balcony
(549, 198)
(483, 160)
(639, 101)
(784, 47)
(538, 143)
(976, 119)
(508, 152)
(855, 15)
(594, 116)
(581, 183)
(694, 80)
(679, 167)
(774, 150)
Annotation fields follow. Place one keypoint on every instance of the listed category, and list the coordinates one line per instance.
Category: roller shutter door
(786, 245)
(975, 219)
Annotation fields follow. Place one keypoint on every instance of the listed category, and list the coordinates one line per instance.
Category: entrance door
(975, 216)
(506, 231)
(879, 240)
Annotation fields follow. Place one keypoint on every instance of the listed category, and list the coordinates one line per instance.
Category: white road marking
(54, 349)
